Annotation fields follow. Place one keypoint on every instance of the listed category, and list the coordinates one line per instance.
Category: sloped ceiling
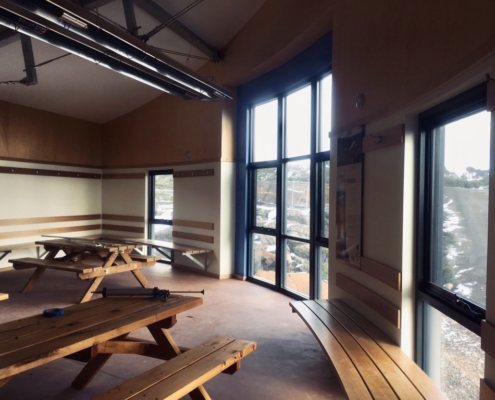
(78, 88)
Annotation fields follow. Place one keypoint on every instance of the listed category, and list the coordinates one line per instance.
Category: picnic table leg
(32, 281)
(92, 367)
(137, 273)
(141, 278)
(95, 282)
(164, 339)
(5, 380)
(37, 274)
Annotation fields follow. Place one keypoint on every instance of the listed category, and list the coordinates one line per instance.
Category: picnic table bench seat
(186, 372)
(369, 364)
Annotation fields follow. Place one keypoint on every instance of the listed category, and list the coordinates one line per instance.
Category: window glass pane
(164, 197)
(161, 232)
(325, 110)
(325, 200)
(454, 360)
(263, 257)
(322, 259)
(266, 197)
(297, 198)
(265, 123)
(298, 123)
(460, 207)
(297, 266)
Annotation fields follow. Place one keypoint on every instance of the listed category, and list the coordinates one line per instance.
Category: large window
(289, 183)
(161, 208)
(453, 239)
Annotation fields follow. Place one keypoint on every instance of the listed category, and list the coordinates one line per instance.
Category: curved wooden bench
(369, 364)
(186, 372)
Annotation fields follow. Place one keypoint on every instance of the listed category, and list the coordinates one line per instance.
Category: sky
(467, 143)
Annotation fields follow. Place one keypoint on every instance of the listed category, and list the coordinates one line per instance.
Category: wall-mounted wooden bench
(186, 372)
(369, 364)
(7, 249)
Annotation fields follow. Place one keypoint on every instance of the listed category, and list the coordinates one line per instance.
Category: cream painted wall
(30, 196)
(203, 199)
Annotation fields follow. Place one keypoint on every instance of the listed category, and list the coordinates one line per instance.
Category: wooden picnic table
(89, 260)
(91, 332)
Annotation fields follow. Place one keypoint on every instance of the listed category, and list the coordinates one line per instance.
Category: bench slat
(351, 380)
(28, 262)
(400, 384)
(416, 375)
(179, 376)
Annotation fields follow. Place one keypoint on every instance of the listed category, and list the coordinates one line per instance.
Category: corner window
(289, 183)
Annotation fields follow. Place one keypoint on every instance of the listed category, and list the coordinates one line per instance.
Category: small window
(161, 207)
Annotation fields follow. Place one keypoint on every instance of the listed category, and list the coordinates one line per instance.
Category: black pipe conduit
(50, 12)
(29, 28)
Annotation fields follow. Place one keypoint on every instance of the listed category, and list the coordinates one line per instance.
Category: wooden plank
(387, 275)
(370, 373)
(138, 175)
(185, 372)
(193, 224)
(487, 391)
(184, 248)
(51, 328)
(399, 382)
(350, 378)
(115, 269)
(391, 137)
(194, 173)
(47, 220)
(4, 296)
(76, 337)
(48, 231)
(144, 258)
(29, 262)
(129, 218)
(192, 236)
(416, 375)
(48, 172)
(487, 335)
(380, 305)
(14, 330)
(123, 228)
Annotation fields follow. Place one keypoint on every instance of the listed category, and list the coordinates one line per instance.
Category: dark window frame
(428, 293)
(316, 159)
(151, 208)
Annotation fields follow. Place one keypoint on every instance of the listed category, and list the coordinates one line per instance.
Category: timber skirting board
(202, 272)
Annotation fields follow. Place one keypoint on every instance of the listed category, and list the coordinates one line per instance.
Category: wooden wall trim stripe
(391, 137)
(123, 228)
(47, 220)
(49, 231)
(139, 175)
(128, 218)
(487, 335)
(48, 172)
(387, 310)
(487, 391)
(192, 236)
(193, 224)
(387, 275)
(194, 173)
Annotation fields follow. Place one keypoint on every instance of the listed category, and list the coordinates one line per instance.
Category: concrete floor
(288, 363)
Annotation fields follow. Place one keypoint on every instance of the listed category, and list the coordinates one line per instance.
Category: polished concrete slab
(288, 363)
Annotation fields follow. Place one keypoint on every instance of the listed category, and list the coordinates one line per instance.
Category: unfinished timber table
(91, 332)
(88, 260)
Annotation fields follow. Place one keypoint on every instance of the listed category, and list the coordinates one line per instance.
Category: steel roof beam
(94, 3)
(130, 17)
(30, 65)
(153, 9)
